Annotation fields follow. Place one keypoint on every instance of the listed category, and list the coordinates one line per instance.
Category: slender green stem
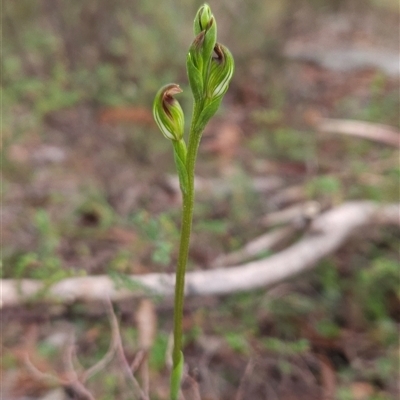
(187, 216)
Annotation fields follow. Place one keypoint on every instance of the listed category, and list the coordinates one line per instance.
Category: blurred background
(89, 188)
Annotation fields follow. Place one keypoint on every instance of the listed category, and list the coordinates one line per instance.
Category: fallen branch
(69, 380)
(325, 235)
(223, 186)
(367, 130)
(346, 60)
(298, 213)
(70, 377)
(266, 242)
(119, 349)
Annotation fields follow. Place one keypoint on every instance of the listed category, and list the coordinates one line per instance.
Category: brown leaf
(146, 320)
(121, 235)
(224, 139)
(190, 389)
(361, 390)
(328, 377)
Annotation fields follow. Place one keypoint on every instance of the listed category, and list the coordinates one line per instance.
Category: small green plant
(160, 232)
(210, 68)
(45, 255)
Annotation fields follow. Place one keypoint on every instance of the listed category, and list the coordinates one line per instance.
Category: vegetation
(86, 191)
(210, 68)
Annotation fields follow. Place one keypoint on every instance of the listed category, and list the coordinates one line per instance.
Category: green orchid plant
(210, 68)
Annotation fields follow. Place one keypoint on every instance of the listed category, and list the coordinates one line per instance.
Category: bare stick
(263, 243)
(367, 130)
(190, 388)
(140, 355)
(120, 351)
(247, 372)
(326, 234)
(68, 359)
(222, 186)
(43, 375)
(73, 383)
(294, 214)
(102, 363)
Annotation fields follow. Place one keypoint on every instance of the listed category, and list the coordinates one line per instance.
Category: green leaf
(193, 67)
(176, 377)
(182, 172)
(208, 112)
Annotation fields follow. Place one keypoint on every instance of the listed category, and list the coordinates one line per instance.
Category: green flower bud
(205, 30)
(168, 113)
(203, 18)
(221, 71)
(201, 50)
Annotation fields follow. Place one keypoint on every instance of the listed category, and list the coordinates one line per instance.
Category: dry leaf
(328, 377)
(146, 320)
(224, 140)
(361, 390)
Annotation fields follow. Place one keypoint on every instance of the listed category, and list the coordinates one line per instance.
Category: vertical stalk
(210, 67)
(187, 217)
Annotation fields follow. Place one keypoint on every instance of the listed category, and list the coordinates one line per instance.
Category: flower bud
(203, 18)
(168, 113)
(205, 30)
(221, 71)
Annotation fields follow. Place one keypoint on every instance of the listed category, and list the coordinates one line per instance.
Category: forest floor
(87, 190)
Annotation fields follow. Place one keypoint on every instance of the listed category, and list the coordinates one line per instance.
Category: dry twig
(223, 186)
(263, 243)
(367, 130)
(72, 382)
(76, 381)
(326, 234)
(120, 352)
(247, 372)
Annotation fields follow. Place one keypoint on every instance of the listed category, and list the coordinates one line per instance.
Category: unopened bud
(168, 113)
(221, 71)
(203, 18)
(205, 30)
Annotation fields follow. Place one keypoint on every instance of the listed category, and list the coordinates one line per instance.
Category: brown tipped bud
(168, 113)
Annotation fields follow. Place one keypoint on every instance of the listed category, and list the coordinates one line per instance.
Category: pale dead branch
(42, 375)
(377, 132)
(266, 242)
(345, 59)
(224, 186)
(146, 321)
(190, 388)
(72, 381)
(293, 214)
(240, 394)
(104, 361)
(325, 235)
(120, 352)
(137, 361)
(288, 195)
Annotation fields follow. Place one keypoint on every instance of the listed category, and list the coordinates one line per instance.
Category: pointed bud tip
(205, 16)
(204, 19)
